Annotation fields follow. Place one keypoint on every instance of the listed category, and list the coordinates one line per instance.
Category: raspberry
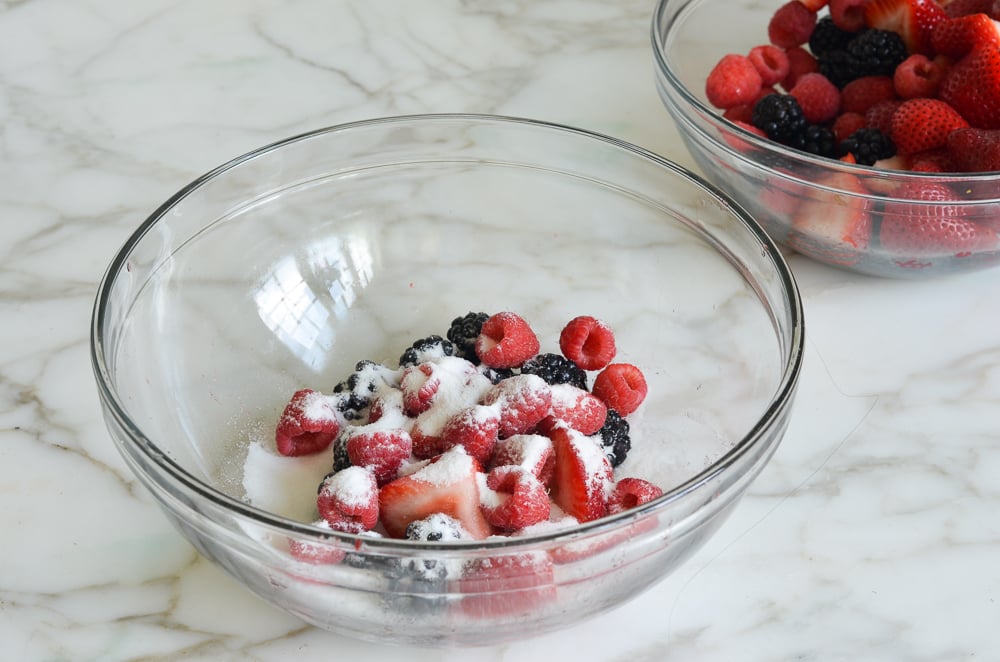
(631, 492)
(506, 341)
(771, 63)
(846, 124)
(307, 425)
(848, 15)
(918, 76)
(614, 438)
(588, 342)
(419, 385)
(463, 333)
(348, 500)
(817, 96)
(430, 348)
(622, 387)
(523, 401)
(733, 81)
(533, 452)
(800, 61)
(862, 93)
(520, 500)
(380, 451)
(475, 428)
(555, 369)
(579, 409)
(791, 25)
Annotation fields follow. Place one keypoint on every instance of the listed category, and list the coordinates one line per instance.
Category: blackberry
(614, 437)
(496, 375)
(555, 369)
(868, 145)
(877, 52)
(463, 333)
(826, 36)
(838, 66)
(780, 117)
(818, 140)
(356, 392)
(430, 348)
(341, 460)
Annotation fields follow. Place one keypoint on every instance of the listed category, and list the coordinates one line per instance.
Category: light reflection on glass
(296, 301)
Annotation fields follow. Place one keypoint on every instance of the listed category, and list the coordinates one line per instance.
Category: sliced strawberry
(515, 498)
(582, 411)
(307, 425)
(506, 586)
(630, 492)
(348, 500)
(380, 451)
(913, 20)
(956, 37)
(972, 87)
(532, 451)
(475, 428)
(621, 386)
(583, 474)
(834, 233)
(447, 485)
(922, 124)
(975, 150)
(506, 341)
(523, 401)
(932, 224)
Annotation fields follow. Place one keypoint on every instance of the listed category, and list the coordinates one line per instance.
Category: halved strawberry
(834, 228)
(506, 586)
(447, 485)
(931, 225)
(583, 474)
(913, 20)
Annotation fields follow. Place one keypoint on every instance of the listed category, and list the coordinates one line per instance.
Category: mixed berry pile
(903, 84)
(474, 434)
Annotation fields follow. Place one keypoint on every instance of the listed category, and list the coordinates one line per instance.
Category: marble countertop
(872, 535)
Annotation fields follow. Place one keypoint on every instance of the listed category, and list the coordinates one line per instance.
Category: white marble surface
(873, 535)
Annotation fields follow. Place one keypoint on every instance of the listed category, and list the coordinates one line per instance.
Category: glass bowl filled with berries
(862, 133)
(447, 379)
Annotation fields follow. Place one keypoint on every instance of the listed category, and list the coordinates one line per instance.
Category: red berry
(531, 451)
(800, 62)
(956, 37)
(506, 341)
(846, 124)
(975, 150)
(621, 386)
(523, 401)
(316, 552)
(631, 492)
(419, 385)
(972, 87)
(380, 451)
(583, 474)
(499, 587)
(588, 342)
(446, 485)
(307, 425)
(879, 116)
(771, 63)
(580, 410)
(818, 97)
(733, 81)
(912, 20)
(348, 500)
(837, 234)
(848, 15)
(933, 225)
(791, 25)
(862, 93)
(520, 499)
(917, 76)
(935, 160)
(475, 428)
(922, 124)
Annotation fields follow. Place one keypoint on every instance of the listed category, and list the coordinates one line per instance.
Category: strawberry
(518, 498)
(931, 225)
(582, 411)
(380, 451)
(348, 500)
(446, 485)
(975, 150)
(879, 116)
(506, 341)
(733, 81)
(934, 160)
(838, 234)
(506, 586)
(791, 25)
(631, 492)
(621, 386)
(955, 8)
(583, 474)
(922, 124)
(972, 87)
(913, 20)
(588, 342)
(523, 400)
(533, 452)
(307, 425)
(475, 428)
(956, 37)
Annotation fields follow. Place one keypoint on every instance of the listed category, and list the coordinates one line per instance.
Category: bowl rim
(658, 33)
(781, 398)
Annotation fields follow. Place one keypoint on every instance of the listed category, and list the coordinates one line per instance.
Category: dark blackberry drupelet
(877, 52)
(826, 36)
(818, 140)
(614, 438)
(868, 145)
(555, 369)
(430, 348)
(463, 333)
(356, 392)
(780, 117)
